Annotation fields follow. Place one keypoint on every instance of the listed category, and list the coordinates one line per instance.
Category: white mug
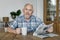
(24, 30)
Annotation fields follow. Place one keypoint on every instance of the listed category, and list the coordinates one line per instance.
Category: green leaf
(18, 12)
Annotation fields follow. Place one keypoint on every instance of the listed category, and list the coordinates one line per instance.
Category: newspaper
(45, 35)
(41, 31)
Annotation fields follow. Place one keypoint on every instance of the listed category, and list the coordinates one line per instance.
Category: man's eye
(28, 9)
(25, 9)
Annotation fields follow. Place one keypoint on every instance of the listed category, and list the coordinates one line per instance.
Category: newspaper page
(41, 31)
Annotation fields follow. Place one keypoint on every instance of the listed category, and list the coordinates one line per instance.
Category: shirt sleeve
(14, 24)
(37, 23)
(40, 24)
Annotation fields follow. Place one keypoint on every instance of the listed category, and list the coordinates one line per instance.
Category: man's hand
(50, 29)
(15, 31)
(18, 30)
(11, 30)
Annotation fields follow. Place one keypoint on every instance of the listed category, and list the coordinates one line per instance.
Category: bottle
(5, 26)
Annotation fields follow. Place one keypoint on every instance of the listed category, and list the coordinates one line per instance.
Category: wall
(6, 6)
(40, 9)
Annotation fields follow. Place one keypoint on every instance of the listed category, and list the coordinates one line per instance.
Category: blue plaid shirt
(31, 25)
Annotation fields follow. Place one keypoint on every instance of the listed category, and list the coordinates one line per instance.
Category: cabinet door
(58, 11)
(51, 14)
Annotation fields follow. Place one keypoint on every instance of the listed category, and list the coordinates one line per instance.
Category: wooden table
(11, 36)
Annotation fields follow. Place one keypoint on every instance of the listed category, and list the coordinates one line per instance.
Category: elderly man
(26, 20)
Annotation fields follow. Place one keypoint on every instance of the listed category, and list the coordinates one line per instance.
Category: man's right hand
(15, 31)
(10, 30)
(18, 30)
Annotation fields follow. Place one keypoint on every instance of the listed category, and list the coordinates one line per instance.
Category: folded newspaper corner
(41, 31)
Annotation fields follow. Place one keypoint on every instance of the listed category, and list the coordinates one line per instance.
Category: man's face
(28, 10)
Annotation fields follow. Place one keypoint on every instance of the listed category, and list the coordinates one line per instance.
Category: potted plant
(14, 14)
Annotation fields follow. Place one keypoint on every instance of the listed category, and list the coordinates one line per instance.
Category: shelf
(59, 1)
(59, 9)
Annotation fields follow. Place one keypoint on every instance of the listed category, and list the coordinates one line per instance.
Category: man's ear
(23, 10)
(32, 11)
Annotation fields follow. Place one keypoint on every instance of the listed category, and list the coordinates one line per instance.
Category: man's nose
(27, 12)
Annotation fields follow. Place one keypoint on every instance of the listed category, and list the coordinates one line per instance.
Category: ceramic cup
(24, 30)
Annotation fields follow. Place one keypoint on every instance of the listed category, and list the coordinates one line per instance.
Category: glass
(59, 10)
(51, 10)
